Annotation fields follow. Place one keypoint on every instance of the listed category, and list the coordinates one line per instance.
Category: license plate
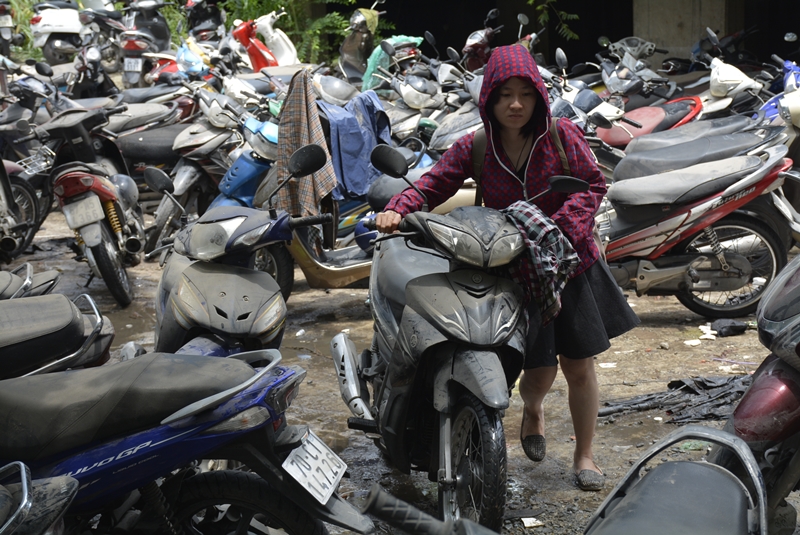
(6, 22)
(133, 64)
(81, 213)
(316, 468)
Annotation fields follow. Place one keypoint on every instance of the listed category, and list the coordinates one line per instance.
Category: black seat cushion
(138, 95)
(47, 414)
(152, 146)
(37, 330)
(689, 132)
(680, 497)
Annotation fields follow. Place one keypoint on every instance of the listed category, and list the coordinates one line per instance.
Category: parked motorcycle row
(703, 204)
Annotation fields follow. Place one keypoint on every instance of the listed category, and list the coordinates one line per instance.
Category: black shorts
(593, 310)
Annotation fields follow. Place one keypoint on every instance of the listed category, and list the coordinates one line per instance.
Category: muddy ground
(639, 362)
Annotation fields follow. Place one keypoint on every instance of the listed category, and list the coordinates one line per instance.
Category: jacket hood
(507, 62)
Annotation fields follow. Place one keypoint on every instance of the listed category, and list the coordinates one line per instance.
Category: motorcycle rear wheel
(28, 209)
(239, 502)
(747, 237)
(109, 263)
(478, 449)
(111, 56)
(167, 223)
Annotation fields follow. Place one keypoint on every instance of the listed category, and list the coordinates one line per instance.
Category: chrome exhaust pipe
(344, 359)
(9, 244)
(64, 46)
(133, 245)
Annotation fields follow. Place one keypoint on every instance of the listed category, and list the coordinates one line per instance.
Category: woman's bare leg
(533, 386)
(584, 402)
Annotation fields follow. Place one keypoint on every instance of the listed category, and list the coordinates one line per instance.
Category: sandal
(590, 480)
(534, 446)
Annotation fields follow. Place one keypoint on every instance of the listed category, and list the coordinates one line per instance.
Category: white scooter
(276, 40)
(56, 27)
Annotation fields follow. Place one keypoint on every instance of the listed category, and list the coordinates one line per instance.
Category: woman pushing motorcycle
(519, 158)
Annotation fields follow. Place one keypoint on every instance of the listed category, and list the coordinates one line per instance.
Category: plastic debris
(708, 337)
(620, 449)
(303, 356)
(608, 364)
(726, 327)
(692, 342)
(532, 522)
(300, 333)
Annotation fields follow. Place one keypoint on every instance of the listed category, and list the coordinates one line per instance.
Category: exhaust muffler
(344, 358)
(9, 244)
(133, 245)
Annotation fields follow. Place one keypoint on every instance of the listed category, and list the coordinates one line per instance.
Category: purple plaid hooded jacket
(573, 213)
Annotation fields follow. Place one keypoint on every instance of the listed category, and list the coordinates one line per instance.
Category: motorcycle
(477, 48)
(359, 43)
(50, 333)
(676, 233)
(206, 21)
(14, 284)
(97, 200)
(110, 26)
(8, 36)
(432, 387)
(765, 417)
(276, 40)
(56, 27)
(146, 31)
(151, 418)
(241, 307)
(33, 507)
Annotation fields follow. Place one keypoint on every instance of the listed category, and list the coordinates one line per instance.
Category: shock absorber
(158, 510)
(713, 239)
(113, 219)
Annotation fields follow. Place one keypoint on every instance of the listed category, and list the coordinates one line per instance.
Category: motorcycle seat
(401, 264)
(639, 199)
(140, 115)
(143, 94)
(116, 15)
(153, 145)
(35, 329)
(679, 497)
(385, 187)
(690, 132)
(683, 155)
(51, 413)
(81, 167)
(95, 103)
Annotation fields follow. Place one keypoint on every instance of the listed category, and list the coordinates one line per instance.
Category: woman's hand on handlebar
(388, 221)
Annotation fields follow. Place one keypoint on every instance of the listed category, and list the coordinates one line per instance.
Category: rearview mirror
(712, 36)
(561, 59)
(307, 160)
(453, 54)
(429, 37)
(388, 49)
(389, 161)
(600, 120)
(158, 180)
(44, 69)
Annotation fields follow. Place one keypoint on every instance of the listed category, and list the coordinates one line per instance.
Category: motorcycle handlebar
(24, 139)
(660, 51)
(777, 59)
(296, 222)
(631, 122)
(117, 109)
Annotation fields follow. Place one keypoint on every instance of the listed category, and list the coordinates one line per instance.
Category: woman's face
(516, 102)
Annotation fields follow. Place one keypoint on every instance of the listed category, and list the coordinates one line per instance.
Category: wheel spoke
(243, 526)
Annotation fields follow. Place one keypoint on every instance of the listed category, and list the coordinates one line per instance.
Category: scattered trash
(693, 445)
(708, 337)
(346, 331)
(303, 356)
(733, 369)
(707, 329)
(692, 342)
(658, 419)
(664, 345)
(688, 400)
(624, 352)
(608, 364)
(726, 327)
(620, 449)
(532, 522)
(300, 333)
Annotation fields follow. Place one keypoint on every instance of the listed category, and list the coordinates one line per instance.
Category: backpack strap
(559, 146)
(478, 156)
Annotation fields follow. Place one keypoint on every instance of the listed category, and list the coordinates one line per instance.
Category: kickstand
(91, 278)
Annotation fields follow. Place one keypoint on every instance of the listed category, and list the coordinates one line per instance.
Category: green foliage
(544, 8)
(23, 12)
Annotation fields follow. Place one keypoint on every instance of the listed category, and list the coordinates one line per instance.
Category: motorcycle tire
(219, 501)
(51, 55)
(109, 263)
(111, 59)
(278, 263)
(478, 449)
(750, 238)
(27, 210)
(5, 48)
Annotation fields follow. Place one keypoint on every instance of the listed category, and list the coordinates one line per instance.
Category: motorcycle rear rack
(39, 162)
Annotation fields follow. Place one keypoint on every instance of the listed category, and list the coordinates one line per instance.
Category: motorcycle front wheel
(753, 240)
(478, 451)
(279, 264)
(239, 502)
(109, 263)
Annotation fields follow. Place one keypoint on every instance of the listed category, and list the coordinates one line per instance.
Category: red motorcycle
(676, 233)
(260, 55)
(478, 48)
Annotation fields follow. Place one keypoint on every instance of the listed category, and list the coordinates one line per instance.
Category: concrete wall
(675, 25)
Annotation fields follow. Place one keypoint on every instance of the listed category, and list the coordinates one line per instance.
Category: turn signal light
(36, 20)
(135, 44)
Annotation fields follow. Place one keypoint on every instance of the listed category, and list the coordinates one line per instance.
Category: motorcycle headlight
(251, 237)
(270, 319)
(506, 249)
(208, 240)
(461, 245)
(188, 307)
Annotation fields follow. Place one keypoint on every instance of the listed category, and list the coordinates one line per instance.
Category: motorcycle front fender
(130, 77)
(480, 372)
(91, 234)
(186, 175)
(5, 33)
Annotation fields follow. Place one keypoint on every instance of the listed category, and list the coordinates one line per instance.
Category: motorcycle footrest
(362, 424)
